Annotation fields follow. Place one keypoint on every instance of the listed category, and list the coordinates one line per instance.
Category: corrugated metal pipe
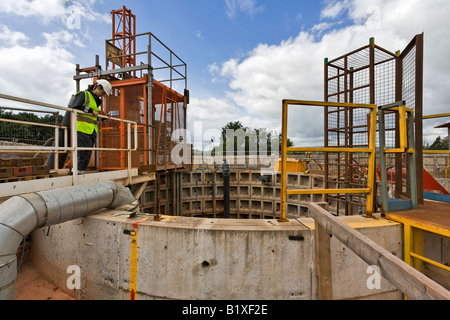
(20, 215)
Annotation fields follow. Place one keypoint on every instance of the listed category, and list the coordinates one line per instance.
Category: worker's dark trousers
(85, 141)
(62, 157)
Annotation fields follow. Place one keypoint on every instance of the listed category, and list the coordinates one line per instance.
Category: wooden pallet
(26, 178)
(23, 171)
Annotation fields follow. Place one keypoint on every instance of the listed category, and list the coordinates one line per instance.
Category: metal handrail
(150, 53)
(406, 137)
(73, 131)
(370, 190)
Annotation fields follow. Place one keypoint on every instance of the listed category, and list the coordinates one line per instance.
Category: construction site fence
(73, 149)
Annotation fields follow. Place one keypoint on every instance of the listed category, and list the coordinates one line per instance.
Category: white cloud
(215, 113)
(85, 10)
(294, 68)
(270, 74)
(320, 27)
(209, 115)
(48, 10)
(43, 72)
(62, 38)
(202, 109)
(12, 38)
(249, 7)
(334, 9)
(200, 35)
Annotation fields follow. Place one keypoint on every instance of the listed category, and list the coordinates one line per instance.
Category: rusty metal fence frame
(373, 75)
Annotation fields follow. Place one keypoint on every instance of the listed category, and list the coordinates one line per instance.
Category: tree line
(438, 144)
(24, 132)
(255, 140)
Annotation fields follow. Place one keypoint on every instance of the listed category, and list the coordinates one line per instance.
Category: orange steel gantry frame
(123, 28)
(139, 96)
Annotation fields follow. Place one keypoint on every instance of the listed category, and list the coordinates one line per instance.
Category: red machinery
(429, 183)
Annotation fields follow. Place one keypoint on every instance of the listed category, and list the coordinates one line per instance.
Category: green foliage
(27, 133)
(438, 144)
(255, 139)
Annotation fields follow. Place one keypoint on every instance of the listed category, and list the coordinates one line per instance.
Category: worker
(89, 102)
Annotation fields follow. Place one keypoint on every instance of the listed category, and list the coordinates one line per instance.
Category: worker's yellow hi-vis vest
(87, 126)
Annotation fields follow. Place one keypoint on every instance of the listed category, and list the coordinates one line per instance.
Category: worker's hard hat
(106, 86)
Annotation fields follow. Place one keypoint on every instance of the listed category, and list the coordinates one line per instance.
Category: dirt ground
(30, 285)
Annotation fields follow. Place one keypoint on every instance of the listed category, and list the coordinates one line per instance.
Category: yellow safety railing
(413, 242)
(442, 152)
(406, 145)
(370, 150)
(413, 235)
(403, 127)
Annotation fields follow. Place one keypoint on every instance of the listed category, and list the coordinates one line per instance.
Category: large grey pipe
(20, 215)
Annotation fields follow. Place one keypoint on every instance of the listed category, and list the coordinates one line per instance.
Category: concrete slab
(203, 223)
(205, 259)
(179, 257)
(30, 285)
(356, 222)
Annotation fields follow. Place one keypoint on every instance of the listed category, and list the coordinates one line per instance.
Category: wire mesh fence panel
(370, 75)
(20, 127)
(367, 76)
(20, 131)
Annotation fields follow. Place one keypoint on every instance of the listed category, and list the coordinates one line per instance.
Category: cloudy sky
(243, 56)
